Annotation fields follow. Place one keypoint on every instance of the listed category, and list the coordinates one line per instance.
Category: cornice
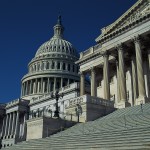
(129, 19)
(50, 74)
(55, 56)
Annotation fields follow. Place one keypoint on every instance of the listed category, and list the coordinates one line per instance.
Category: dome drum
(53, 66)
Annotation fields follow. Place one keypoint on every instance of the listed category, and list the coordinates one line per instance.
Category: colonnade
(138, 82)
(50, 65)
(10, 126)
(44, 85)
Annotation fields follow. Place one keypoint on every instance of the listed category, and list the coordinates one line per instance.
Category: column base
(142, 100)
(123, 104)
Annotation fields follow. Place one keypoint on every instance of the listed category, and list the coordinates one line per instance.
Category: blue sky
(26, 24)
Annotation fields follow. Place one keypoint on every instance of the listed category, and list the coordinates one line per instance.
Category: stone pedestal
(123, 104)
(44, 126)
(142, 100)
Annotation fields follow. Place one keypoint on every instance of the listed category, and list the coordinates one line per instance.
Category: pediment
(138, 10)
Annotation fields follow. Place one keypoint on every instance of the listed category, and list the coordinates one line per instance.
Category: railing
(63, 89)
(15, 102)
(91, 50)
(90, 99)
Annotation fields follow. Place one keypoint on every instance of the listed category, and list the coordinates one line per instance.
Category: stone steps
(124, 129)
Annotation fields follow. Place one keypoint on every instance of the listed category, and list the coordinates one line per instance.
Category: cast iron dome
(57, 44)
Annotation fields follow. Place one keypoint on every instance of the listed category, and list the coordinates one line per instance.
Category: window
(38, 68)
(53, 65)
(68, 67)
(73, 68)
(58, 65)
(47, 65)
(64, 66)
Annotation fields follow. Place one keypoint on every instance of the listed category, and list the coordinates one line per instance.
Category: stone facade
(52, 69)
(119, 64)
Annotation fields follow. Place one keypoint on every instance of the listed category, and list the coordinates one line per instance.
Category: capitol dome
(57, 44)
(53, 66)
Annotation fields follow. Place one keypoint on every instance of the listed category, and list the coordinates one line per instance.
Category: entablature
(138, 13)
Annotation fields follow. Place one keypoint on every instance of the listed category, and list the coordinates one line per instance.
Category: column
(27, 88)
(54, 84)
(24, 88)
(139, 63)
(17, 123)
(6, 126)
(3, 126)
(61, 65)
(93, 83)
(41, 85)
(48, 84)
(82, 84)
(31, 82)
(36, 84)
(118, 79)
(13, 124)
(122, 81)
(68, 81)
(21, 90)
(7, 132)
(149, 58)
(22, 94)
(146, 76)
(38, 88)
(149, 69)
(61, 83)
(10, 124)
(134, 79)
(24, 125)
(106, 77)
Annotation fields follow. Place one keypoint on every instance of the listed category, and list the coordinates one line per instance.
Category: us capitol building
(118, 68)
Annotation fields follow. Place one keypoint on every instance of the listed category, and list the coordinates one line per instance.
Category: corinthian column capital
(119, 47)
(136, 39)
(106, 54)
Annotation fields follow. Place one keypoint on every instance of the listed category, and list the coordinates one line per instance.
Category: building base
(123, 104)
(142, 100)
(45, 126)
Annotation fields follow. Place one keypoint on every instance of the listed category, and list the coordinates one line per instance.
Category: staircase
(124, 129)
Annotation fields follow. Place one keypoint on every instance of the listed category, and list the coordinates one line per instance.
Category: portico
(121, 60)
(14, 122)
